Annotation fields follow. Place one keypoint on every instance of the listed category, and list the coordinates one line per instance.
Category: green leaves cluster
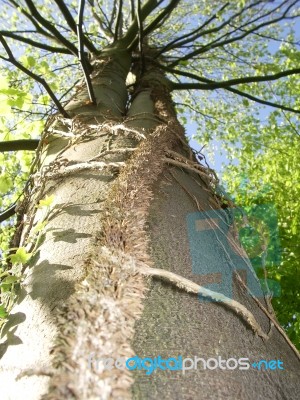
(10, 281)
(262, 147)
(270, 174)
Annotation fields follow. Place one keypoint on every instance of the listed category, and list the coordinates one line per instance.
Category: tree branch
(217, 43)
(38, 27)
(103, 27)
(16, 145)
(229, 20)
(36, 77)
(67, 15)
(248, 96)
(192, 36)
(129, 39)
(35, 13)
(141, 36)
(231, 82)
(33, 43)
(81, 56)
(165, 13)
(112, 16)
(9, 212)
(132, 10)
(261, 101)
(72, 24)
(211, 85)
(171, 44)
(118, 27)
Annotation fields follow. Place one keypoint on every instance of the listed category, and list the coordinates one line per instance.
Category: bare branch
(131, 36)
(229, 21)
(38, 27)
(197, 33)
(72, 24)
(218, 43)
(9, 212)
(190, 35)
(113, 14)
(231, 82)
(272, 38)
(51, 28)
(34, 43)
(141, 36)
(132, 10)
(103, 26)
(118, 27)
(261, 101)
(67, 15)
(81, 56)
(211, 85)
(165, 13)
(250, 97)
(16, 145)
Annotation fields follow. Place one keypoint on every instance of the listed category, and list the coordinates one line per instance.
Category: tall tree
(116, 195)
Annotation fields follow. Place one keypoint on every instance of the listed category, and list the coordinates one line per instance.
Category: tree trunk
(126, 188)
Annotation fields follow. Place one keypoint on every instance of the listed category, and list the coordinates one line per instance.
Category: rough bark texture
(176, 323)
(84, 291)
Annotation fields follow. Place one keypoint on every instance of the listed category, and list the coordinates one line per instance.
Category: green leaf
(5, 287)
(5, 109)
(27, 61)
(12, 92)
(184, 63)
(5, 183)
(3, 312)
(21, 256)
(46, 202)
(43, 67)
(3, 83)
(10, 279)
(40, 226)
(44, 99)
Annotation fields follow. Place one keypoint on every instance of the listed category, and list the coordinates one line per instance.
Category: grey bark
(176, 323)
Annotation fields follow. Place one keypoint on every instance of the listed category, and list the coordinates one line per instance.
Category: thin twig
(192, 287)
(94, 165)
(187, 166)
(189, 286)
